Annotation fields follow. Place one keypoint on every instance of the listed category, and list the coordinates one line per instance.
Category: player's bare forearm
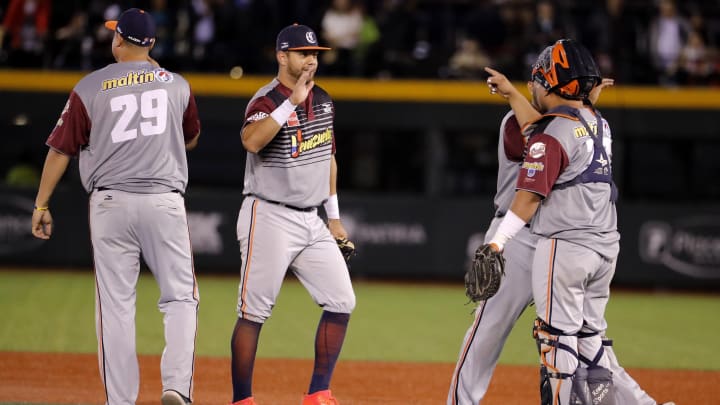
(521, 210)
(525, 204)
(55, 165)
(333, 176)
(193, 142)
(259, 133)
(337, 229)
(524, 111)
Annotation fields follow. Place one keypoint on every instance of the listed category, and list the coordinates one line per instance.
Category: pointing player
(130, 124)
(496, 316)
(290, 171)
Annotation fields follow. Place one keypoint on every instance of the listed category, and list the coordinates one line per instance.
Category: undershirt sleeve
(72, 130)
(545, 161)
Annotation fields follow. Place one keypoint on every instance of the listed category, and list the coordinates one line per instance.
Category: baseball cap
(134, 25)
(298, 37)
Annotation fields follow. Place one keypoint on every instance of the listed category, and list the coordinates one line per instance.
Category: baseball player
(290, 171)
(495, 317)
(130, 123)
(566, 178)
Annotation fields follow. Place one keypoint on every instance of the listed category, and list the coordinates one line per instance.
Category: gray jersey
(584, 213)
(510, 156)
(124, 111)
(294, 168)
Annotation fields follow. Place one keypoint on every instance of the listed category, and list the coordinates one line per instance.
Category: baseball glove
(346, 247)
(482, 279)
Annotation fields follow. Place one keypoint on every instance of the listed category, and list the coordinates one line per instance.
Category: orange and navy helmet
(568, 69)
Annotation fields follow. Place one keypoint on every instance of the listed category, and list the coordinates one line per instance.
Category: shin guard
(558, 359)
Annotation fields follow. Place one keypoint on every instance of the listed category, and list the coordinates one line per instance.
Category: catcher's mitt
(346, 247)
(482, 279)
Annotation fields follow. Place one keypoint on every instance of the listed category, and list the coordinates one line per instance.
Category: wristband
(509, 227)
(332, 209)
(36, 208)
(282, 112)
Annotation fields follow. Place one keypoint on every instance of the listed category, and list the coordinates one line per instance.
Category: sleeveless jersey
(583, 213)
(129, 123)
(294, 167)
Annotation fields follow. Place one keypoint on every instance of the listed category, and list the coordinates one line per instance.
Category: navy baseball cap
(134, 25)
(298, 37)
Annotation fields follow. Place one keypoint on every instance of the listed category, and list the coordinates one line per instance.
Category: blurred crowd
(662, 42)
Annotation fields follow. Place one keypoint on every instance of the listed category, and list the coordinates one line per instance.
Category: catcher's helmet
(568, 69)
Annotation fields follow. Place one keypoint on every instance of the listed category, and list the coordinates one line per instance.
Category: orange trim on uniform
(248, 259)
(548, 306)
(551, 265)
(196, 296)
(98, 314)
(465, 350)
(543, 359)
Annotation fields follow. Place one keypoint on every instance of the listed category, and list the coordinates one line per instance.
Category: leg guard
(592, 386)
(558, 359)
(593, 379)
(546, 395)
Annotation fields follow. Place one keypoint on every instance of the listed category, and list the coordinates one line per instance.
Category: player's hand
(499, 84)
(337, 230)
(42, 224)
(303, 86)
(595, 92)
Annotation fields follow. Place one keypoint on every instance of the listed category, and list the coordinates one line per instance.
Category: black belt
(109, 189)
(282, 204)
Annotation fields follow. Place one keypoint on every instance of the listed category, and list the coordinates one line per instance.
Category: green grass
(54, 312)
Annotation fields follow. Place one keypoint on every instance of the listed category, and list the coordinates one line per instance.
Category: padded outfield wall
(666, 145)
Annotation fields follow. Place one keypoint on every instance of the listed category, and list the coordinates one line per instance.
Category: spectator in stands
(368, 45)
(695, 61)
(398, 27)
(546, 27)
(341, 28)
(26, 23)
(669, 32)
(485, 23)
(469, 60)
(606, 31)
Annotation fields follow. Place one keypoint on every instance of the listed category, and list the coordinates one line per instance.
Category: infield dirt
(53, 378)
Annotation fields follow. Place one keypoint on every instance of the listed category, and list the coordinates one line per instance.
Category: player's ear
(282, 57)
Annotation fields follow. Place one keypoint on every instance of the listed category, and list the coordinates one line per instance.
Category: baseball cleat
(172, 397)
(246, 401)
(323, 397)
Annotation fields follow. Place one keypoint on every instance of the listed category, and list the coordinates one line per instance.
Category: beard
(536, 102)
(295, 72)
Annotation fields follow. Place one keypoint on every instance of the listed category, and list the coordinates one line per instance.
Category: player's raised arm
(499, 84)
(259, 133)
(595, 92)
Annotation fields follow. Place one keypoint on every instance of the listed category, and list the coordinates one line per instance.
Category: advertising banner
(397, 236)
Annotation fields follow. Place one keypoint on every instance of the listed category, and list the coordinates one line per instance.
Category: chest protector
(600, 168)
